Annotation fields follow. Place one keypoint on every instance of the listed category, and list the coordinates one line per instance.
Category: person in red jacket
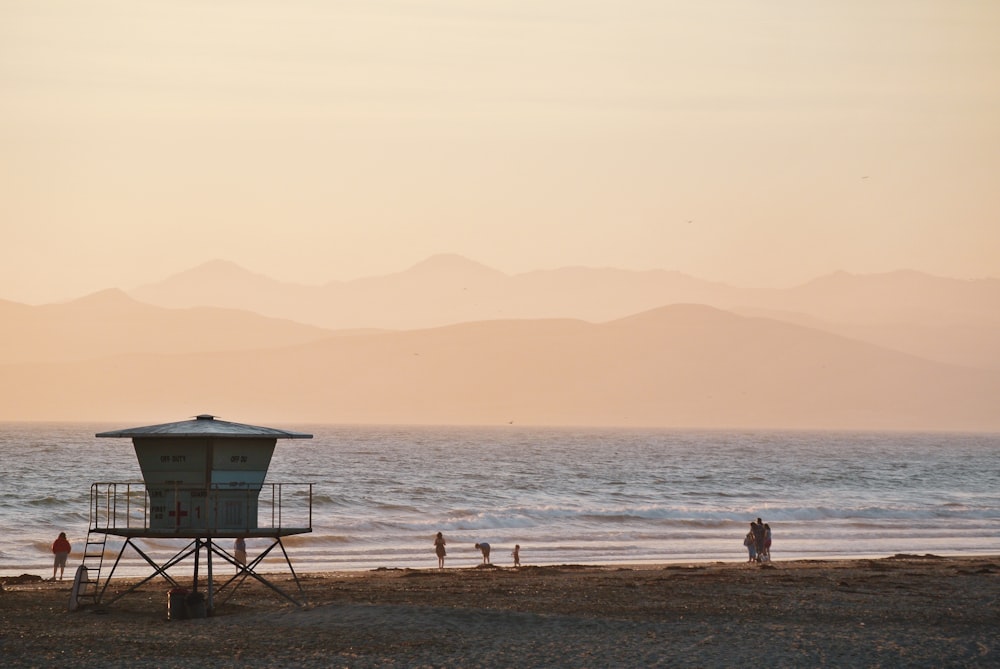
(60, 548)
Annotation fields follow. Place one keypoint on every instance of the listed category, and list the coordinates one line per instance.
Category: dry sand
(916, 611)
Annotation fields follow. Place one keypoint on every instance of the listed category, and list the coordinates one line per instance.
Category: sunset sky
(759, 143)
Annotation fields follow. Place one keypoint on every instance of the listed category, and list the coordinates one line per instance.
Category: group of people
(482, 547)
(758, 541)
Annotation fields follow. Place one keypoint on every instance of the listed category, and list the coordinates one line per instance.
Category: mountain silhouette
(111, 323)
(946, 320)
(681, 365)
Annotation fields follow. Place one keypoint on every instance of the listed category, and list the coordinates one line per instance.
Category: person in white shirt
(240, 551)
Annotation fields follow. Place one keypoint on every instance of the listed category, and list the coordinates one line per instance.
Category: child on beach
(60, 548)
(517, 555)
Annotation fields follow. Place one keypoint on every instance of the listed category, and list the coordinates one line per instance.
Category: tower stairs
(86, 584)
(103, 510)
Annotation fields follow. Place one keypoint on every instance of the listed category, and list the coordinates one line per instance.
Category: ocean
(567, 496)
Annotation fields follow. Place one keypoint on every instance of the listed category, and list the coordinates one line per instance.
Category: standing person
(61, 549)
(517, 555)
(758, 538)
(485, 548)
(240, 552)
(767, 542)
(439, 549)
(751, 544)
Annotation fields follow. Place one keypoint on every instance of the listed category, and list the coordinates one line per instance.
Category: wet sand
(916, 611)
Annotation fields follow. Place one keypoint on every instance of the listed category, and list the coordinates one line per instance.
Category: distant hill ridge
(949, 320)
(897, 351)
(111, 323)
(674, 366)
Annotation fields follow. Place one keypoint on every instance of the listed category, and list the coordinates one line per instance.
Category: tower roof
(205, 425)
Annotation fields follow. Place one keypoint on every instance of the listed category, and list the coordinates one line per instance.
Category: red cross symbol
(178, 514)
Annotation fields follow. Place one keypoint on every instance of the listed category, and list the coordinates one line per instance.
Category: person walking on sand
(485, 548)
(60, 549)
(439, 549)
(517, 555)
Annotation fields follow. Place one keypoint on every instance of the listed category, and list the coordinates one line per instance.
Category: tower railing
(135, 507)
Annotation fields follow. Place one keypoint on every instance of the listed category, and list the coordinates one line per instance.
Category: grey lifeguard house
(203, 480)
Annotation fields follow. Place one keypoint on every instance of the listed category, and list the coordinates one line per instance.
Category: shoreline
(8, 573)
(913, 610)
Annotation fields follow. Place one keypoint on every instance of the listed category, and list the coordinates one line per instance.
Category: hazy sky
(755, 142)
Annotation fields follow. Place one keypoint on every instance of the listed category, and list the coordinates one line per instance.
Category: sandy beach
(906, 610)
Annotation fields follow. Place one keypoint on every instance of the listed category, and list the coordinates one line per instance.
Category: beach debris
(20, 580)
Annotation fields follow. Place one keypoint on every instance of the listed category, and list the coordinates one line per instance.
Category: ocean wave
(47, 501)
(402, 516)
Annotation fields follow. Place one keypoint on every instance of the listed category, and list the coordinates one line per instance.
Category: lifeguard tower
(203, 480)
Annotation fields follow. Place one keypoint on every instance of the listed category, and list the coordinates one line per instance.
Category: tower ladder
(102, 516)
(93, 560)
